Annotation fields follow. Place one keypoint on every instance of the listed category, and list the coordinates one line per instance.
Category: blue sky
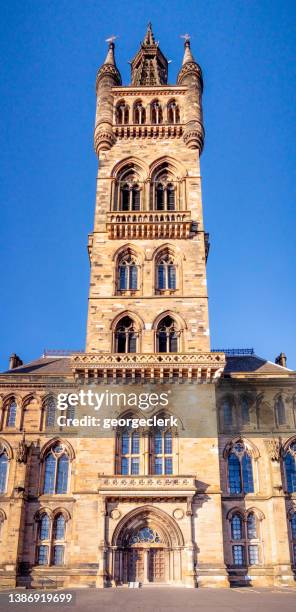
(51, 51)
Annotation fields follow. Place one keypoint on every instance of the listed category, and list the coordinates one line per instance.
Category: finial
(110, 59)
(149, 38)
(188, 57)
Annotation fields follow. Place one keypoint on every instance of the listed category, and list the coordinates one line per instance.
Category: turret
(108, 76)
(191, 76)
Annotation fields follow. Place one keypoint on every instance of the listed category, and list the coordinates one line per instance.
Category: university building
(211, 503)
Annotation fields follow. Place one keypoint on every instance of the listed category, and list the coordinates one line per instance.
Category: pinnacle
(110, 58)
(188, 57)
(149, 37)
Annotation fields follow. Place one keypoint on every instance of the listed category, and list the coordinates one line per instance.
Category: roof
(254, 364)
(235, 364)
(43, 366)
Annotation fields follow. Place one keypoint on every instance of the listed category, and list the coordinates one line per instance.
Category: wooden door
(136, 565)
(156, 565)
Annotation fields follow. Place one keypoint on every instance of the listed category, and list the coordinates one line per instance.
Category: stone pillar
(189, 573)
(102, 548)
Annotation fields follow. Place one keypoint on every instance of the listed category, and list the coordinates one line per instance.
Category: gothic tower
(148, 250)
(207, 502)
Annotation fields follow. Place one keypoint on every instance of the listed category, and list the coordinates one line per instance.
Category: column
(101, 575)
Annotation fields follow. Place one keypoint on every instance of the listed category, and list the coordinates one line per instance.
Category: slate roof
(44, 365)
(253, 363)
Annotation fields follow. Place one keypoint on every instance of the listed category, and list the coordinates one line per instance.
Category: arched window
(240, 471)
(164, 187)
(162, 452)
(166, 273)
(236, 527)
(122, 113)
(44, 527)
(251, 526)
(280, 411)
(139, 114)
(127, 273)
(11, 413)
(156, 113)
(290, 467)
(145, 534)
(245, 411)
(50, 412)
(173, 112)
(3, 469)
(245, 539)
(130, 195)
(51, 540)
(293, 534)
(128, 452)
(127, 191)
(56, 470)
(164, 195)
(58, 548)
(167, 336)
(43, 546)
(126, 336)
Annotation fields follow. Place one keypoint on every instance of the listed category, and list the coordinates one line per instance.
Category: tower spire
(149, 37)
(149, 66)
(110, 57)
(109, 68)
(188, 57)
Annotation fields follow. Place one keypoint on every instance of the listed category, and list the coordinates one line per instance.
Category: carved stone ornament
(22, 452)
(178, 514)
(274, 449)
(115, 514)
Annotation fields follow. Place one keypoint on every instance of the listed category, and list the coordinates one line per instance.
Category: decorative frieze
(135, 367)
(180, 485)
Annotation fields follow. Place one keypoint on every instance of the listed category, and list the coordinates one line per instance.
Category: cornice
(160, 90)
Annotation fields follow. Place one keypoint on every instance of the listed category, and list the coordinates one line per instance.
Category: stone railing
(150, 224)
(169, 130)
(185, 485)
(142, 367)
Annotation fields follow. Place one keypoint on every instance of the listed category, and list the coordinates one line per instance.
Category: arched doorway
(146, 555)
(147, 546)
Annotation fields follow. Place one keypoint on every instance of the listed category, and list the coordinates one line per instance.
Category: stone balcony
(150, 224)
(148, 367)
(162, 130)
(147, 486)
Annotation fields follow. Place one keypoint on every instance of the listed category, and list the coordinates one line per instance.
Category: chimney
(281, 360)
(14, 361)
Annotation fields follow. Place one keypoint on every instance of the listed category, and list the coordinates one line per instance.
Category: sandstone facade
(211, 503)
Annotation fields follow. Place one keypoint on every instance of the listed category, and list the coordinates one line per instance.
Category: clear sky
(51, 50)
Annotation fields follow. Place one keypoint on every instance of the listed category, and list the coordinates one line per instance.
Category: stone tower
(148, 250)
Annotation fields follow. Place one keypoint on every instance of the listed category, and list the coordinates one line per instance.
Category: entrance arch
(147, 545)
